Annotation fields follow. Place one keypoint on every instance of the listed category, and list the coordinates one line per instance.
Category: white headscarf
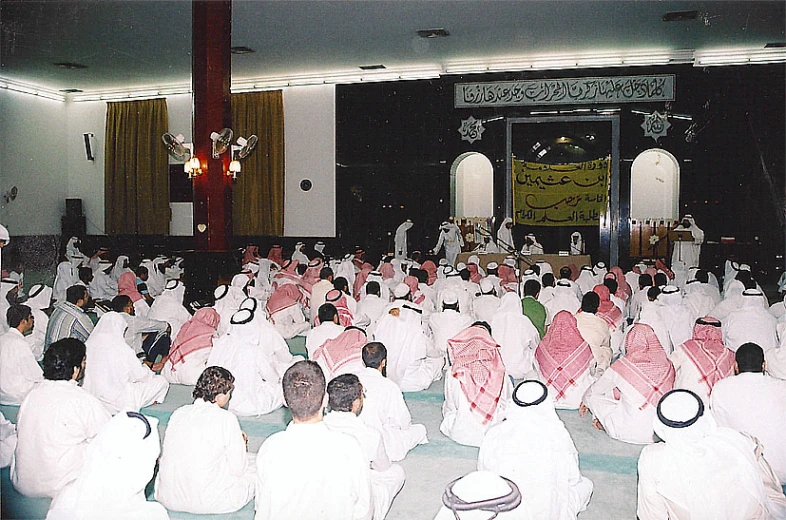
(169, 307)
(120, 267)
(505, 236)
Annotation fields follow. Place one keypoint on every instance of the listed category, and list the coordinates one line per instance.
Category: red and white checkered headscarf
(430, 268)
(610, 313)
(196, 334)
(706, 350)
(563, 355)
(341, 350)
(645, 365)
(283, 297)
(338, 300)
(477, 364)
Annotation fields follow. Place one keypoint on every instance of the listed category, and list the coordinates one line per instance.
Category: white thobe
(622, 418)
(485, 306)
(565, 299)
(505, 236)
(290, 322)
(138, 326)
(257, 384)
(636, 302)
(372, 306)
(536, 451)
(517, 338)
(699, 299)
(114, 374)
(384, 408)
(102, 287)
(188, 371)
(19, 371)
(688, 252)
(56, 423)
(169, 307)
(446, 324)
(755, 403)
(7, 441)
(317, 336)
(459, 422)
(595, 331)
(750, 323)
(386, 479)
(688, 376)
(329, 466)
(453, 242)
(400, 239)
(409, 364)
(204, 467)
(274, 346)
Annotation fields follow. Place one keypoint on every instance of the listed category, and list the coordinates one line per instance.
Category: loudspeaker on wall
(89, 136)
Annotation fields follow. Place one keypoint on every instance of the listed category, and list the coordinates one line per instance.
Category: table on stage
(556, 261)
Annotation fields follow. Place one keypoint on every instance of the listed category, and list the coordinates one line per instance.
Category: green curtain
(258, 192)
(136, 169)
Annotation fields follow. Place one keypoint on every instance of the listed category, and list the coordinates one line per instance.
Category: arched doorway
(472, 186)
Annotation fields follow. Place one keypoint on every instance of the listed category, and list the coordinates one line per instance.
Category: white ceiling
(136, 43)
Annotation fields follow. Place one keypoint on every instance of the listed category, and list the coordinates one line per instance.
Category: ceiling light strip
(30, 89)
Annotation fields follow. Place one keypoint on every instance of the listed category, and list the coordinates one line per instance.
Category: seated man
(319, 290)
(753, 402)
(372, 305)
(114, 374)
(56, 423)
(624, 399)
(345, 400)
(702, 470)
(286, 312)
(478, 495)
(534, 449)
(7, 441)
(328, 328)
(188, 356)
(477, 390)
(565, 299)
(204, 467)
(751, 323)
(517, 338)
(594, 329)
(704, 360)
(169, 308)
(257, 389)
(68, 319)
(566, 362)
(486, 302)
(341, 354)
(533, 309)
(19, 371)
(412, 363)
(449, 322)
(308, 456)
(144, 335)
(118, 466)
(384, 407)
(609, 312)
(39, 300)
(270, 341)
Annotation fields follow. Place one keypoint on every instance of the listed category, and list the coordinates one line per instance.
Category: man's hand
(583, 410)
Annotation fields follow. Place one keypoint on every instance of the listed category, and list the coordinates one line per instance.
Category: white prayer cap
(600, 265)
(670, 289)
(449, 298)
(249, 304)
(510, 261)
(401, 290)
(451, 271)
(443, 261)
(564, 283)
(461, 266)
(752, 292)
(587, 268)
(473, 260)
(492, 265)
(530, 393)
(444, 223)
(241, 317)
(679, 409)
(4, 236)
(481, 491)
(486, 286)
(220, 292)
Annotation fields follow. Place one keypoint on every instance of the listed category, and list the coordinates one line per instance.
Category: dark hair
(212, 382)
(612, 284)
(342, 392)
(531, 288)
(420, 274)
(140, 270)
(565, 272)
(653, 292)
(645, 280)
(120, 302)
(301, 269)
(590, 302)
(661, 279)
(373, 354)
(702, 276)
(17, 313)
(749, 357)
(85, 274)
(465, 274)
(62, 357)
(535, 268)
(548, 280)
(326, 312)
(743, 275)
(372, 287)
(304, 389)
(325, 273)
(341, 284)
(76, 293)
(750, 283)
(483, 324)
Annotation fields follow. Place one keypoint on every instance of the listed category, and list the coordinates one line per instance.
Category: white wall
(33, 157)
(42, 152)
(310, 144)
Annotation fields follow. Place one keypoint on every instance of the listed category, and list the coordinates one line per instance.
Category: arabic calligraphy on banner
(567, 91)
(560, 194)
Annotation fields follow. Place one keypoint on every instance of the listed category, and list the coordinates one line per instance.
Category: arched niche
(472, 186)
(654, 186)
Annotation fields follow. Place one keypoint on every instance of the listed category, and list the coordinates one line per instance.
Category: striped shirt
(67, 321)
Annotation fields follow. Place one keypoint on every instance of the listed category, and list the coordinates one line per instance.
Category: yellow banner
(560, 194)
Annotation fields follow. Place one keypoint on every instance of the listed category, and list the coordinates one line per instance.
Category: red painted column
(211, 75)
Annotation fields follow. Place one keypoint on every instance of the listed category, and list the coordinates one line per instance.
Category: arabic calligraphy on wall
(567, 91)
(560, 194)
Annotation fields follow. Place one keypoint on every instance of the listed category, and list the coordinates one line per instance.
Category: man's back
(19, 371)
(755, 403)
(310, 472)
(67, 321)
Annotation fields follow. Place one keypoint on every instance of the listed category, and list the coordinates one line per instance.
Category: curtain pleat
(136, 168)
(258, 192)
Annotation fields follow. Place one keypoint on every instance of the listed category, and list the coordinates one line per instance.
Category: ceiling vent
(775, 45)
(69, 65)
(680, 16)
(372, 67)
(433, 33)
(71, 90)
(242, 49)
